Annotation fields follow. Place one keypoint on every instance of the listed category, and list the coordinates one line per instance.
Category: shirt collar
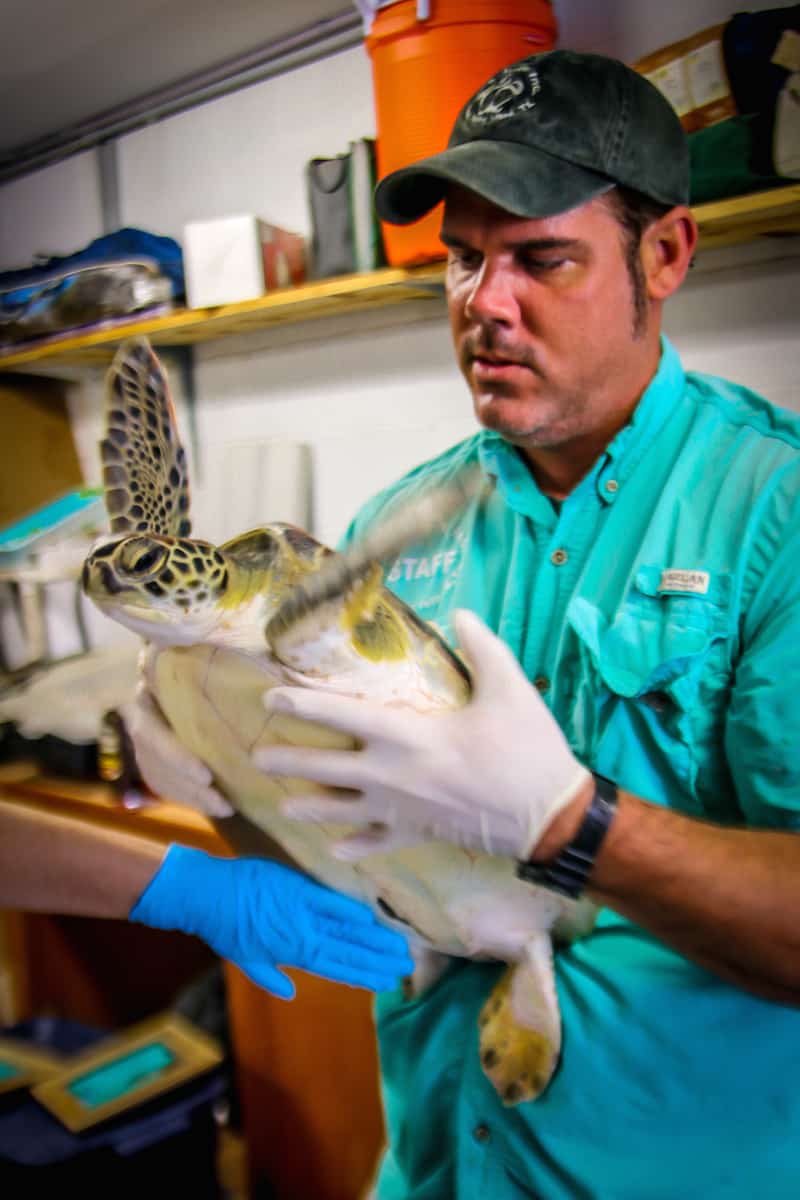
(505, 465)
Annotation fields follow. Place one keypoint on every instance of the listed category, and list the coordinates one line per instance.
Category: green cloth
(722, 160)
(671, 639)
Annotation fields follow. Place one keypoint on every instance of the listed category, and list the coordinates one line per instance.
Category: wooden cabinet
(307, 1073)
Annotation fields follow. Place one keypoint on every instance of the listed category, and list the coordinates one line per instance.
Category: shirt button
(558, 557)
(612, 485)
(481, 1133)
(541, 682)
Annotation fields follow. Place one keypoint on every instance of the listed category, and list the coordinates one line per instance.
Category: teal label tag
(127, 1073)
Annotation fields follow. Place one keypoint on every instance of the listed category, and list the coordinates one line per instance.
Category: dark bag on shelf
(762, 54)
(345, 232)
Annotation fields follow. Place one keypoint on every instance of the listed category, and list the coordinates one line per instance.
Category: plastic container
(425, 70)
(75, 511)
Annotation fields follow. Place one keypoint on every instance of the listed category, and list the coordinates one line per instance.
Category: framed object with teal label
(22, 1065)
(127, 1069)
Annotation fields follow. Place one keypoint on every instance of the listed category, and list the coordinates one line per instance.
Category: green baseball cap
(547, 134)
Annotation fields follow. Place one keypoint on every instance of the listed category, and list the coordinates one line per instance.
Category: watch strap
(568, 872)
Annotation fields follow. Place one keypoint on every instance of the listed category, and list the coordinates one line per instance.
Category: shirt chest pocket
(648, 695)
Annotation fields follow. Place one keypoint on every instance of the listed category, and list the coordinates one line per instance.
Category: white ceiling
(64, 62)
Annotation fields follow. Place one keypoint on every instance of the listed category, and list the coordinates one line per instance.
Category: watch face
(568, 872)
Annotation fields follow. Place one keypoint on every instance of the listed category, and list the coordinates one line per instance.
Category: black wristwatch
(568, 872)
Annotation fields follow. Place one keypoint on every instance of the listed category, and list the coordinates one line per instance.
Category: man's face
(543, 320)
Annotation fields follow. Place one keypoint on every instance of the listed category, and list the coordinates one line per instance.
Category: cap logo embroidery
(506, 95)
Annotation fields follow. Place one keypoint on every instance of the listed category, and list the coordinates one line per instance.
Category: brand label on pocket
(676, 580)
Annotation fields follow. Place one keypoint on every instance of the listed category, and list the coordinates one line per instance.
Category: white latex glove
(490, 776)
(166, 766)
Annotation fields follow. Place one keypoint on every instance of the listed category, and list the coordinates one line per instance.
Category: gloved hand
(260, 915)
(166, 766)
(490, 776)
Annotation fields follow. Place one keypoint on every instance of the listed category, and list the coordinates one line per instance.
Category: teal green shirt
(659, 613)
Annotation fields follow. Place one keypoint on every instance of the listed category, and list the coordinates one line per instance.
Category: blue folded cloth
(116, 275)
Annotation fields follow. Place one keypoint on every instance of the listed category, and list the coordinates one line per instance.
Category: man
(637, 558)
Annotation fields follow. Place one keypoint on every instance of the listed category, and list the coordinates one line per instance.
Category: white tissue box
(238, 258)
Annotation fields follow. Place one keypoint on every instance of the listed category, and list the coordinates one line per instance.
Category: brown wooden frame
(33, 1064)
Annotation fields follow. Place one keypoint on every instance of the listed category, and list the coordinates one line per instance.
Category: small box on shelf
(230, 259)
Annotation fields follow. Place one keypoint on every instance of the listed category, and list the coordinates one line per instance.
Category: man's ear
(667, 249)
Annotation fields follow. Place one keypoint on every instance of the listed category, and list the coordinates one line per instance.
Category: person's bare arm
(726, 898)
(49, 863)
(260, 915)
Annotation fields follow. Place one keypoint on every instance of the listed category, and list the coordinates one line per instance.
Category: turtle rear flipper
(520, 1026)
(144, 465)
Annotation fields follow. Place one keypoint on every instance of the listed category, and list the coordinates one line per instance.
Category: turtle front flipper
(520, 1026)
(356, 628)
(144, 464)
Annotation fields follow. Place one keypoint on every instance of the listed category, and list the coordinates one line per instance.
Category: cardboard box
(40, 460)
(239, 258)
(691, 74)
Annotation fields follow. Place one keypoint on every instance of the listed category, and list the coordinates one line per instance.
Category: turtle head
(167, 589)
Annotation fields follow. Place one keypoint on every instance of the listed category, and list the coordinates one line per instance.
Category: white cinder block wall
(374, 394)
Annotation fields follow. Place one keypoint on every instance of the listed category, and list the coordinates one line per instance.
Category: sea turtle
(207, 613)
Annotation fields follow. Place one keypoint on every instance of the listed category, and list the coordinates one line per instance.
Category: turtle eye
(145, 562)
(142, 556)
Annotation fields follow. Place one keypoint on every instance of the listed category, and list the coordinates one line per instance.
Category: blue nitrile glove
(259, 914)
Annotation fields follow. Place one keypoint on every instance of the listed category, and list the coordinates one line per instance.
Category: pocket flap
(655, 641)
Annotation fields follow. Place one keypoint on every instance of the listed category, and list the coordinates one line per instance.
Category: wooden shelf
(324, 298)
(722, 223)
(746, 218)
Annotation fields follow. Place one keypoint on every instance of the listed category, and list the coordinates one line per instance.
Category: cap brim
(523, 180)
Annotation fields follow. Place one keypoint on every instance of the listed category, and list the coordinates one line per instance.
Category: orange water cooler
(428, 57)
